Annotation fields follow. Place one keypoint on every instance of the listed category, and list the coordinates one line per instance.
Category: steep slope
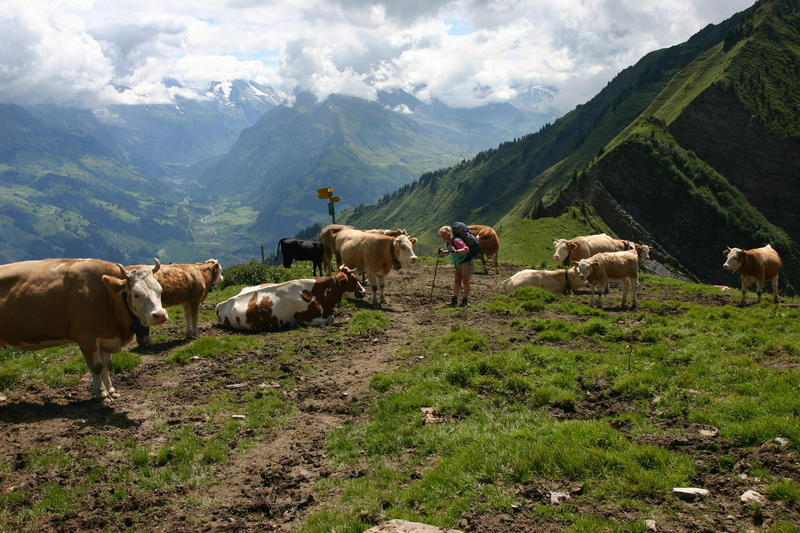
(692, 149)
(362, 148)
(66, 194)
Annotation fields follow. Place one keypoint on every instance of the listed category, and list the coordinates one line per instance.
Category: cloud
(464, 52)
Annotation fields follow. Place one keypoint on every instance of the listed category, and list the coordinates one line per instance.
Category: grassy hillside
(711, 121)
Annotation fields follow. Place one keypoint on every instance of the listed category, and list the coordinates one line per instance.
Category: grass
(678, 360)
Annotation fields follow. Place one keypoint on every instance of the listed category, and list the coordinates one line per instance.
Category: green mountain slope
(362, 148)
(64, 193)
(692, 149)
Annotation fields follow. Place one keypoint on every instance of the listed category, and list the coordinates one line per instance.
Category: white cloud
(465, 52)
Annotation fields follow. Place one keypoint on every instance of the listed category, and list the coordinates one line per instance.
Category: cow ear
(571, 245)
(115, 284)
(726, 251)
(595, 266)
(413, 240)
(575, 263)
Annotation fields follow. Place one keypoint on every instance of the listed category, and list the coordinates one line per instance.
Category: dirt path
(270, 486)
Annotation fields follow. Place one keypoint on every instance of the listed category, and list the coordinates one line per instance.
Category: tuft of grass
(787, 491)
(367, 321)
(214, 346)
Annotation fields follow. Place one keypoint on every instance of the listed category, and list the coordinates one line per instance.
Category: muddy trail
(271, 482)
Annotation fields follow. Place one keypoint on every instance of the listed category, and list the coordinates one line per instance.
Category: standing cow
(585, 246)
(302, 250)
(185, 285)
(273, 306)
(328, 239)
(755, 266)
(375, 255)
(98, 305)
(598, 269)
(490, 245)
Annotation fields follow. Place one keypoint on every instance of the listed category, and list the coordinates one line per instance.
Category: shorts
(465, 268)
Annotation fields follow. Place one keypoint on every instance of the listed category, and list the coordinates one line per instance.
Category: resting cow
(490, 244)
(185, 285)
(755, 266)
(375, 255)
(307, 302)
(598, 269)
(98, 305)
(302, 250)
(559, 281)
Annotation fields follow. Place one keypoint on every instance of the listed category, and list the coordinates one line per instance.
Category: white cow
(556, 281)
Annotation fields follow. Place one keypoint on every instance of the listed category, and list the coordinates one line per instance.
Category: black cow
(301, 250)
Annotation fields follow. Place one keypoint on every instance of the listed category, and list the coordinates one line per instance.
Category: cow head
(734, 259)
(216, 272)
(643, 251)
(404, 249)
(352, 285)
(586, 269)
(143, 293)
(563, 248)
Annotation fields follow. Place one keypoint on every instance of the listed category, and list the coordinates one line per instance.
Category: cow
(96, 304)
(375, 255)
(755, 266)
(306, 302)
(328, 239)
(561, 281)
(490, 244)
(186, 285)
(302, 250)
(585, 246)
(598, 269)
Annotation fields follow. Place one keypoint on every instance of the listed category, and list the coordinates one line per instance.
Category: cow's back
(182, 283)
(589, 245)
(55, 300)
(618, 265)
(766, 260)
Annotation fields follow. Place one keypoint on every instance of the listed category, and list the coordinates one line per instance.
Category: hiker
(462, 261)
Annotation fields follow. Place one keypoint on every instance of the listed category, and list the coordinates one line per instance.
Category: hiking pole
(435, 269)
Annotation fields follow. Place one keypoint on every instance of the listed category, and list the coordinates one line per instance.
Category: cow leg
(760, 284)
(774, 282)
(635, 285)
(105, 374)
(591, 296)
(144, 338)
(91, 354)
(190, 309)
(374, 287)
(624, 293)
(382, 283)
(496, 268)
(745, 284)
(484, 264)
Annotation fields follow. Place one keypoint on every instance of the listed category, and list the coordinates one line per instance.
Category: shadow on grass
(93, 412)
(158, 347)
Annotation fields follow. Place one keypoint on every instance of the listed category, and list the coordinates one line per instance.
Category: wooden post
(263, 261)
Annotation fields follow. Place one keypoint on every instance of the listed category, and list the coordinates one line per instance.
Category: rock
(709, 432)
(783, 441)
(690, 494)
(236, 386)
(194, 358)
(3, 398)
(650, 524)
(557, 498)
(428, 416)
(752, 496)
(404, 526)
(238, 417)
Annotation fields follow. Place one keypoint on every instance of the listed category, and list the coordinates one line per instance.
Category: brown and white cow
(598, 269)
(490, 244)
(559, 281)
(98, 305)
(585, 246)
(375, 255)
(274, 306)
(186, 285)
(755, 266)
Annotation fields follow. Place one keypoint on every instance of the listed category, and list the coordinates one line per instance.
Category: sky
(91, 53)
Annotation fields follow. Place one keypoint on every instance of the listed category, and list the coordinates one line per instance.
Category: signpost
(326, 193)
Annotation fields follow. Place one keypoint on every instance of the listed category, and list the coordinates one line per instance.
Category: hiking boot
(453, 301)
(464, 302)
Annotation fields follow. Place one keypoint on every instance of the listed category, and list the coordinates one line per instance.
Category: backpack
(461, 231)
